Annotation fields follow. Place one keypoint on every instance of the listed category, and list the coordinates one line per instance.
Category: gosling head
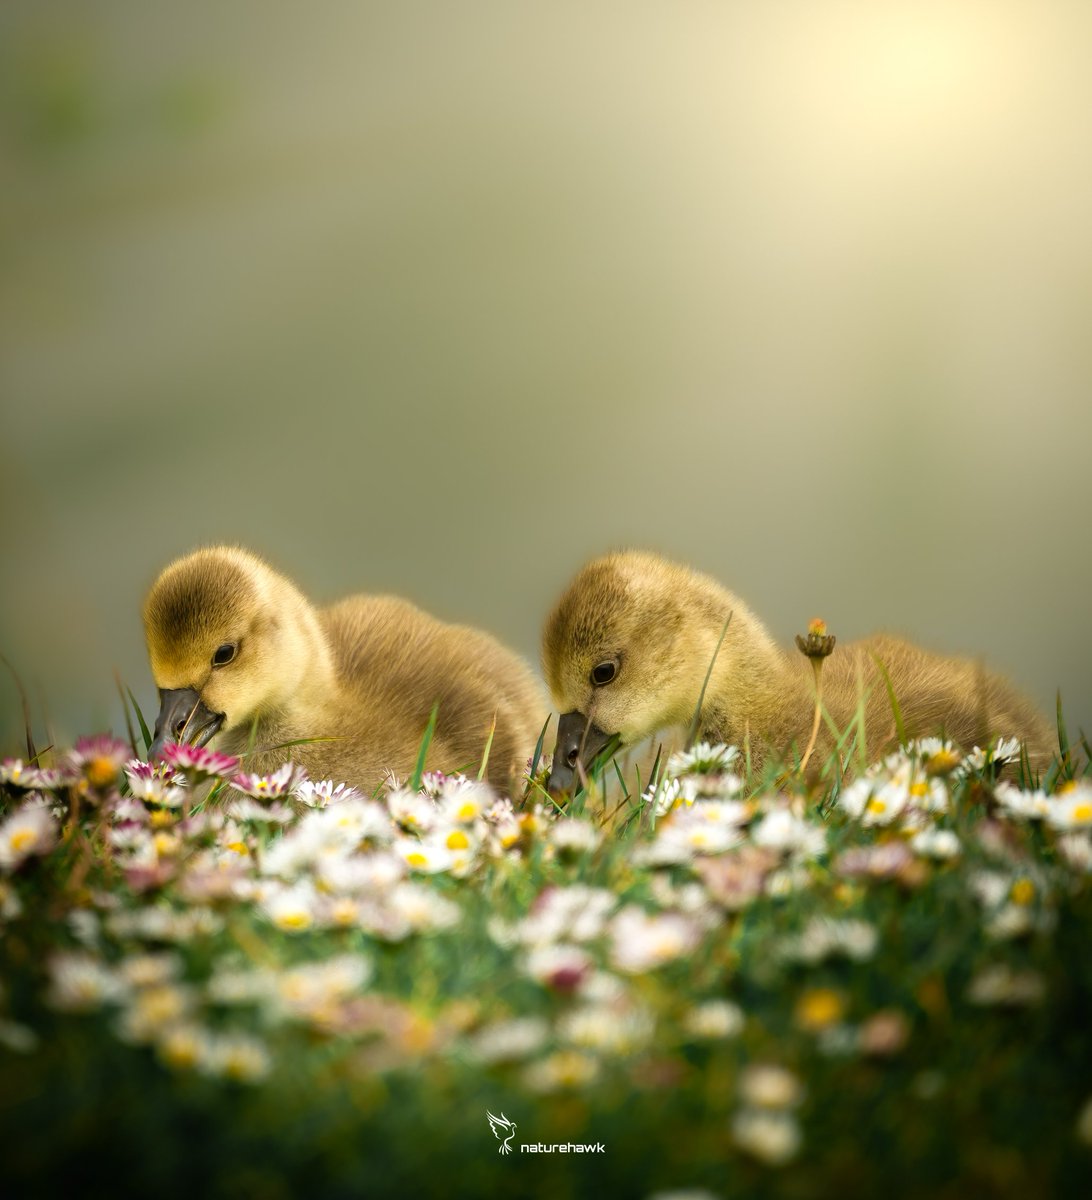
(619, 652)
(219, 643)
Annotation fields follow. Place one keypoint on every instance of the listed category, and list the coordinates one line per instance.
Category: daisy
(1020, 804)
(269, 787)
(421, 909)
(766, 1085)
(560, 967)
(98, 760)
(574, 835)
(936, 843)
(565, 1069)
(780, 830)
(81, 983)
(324, 793)
(771, 1137)
(198, 761)
(509, 1041)
(31, 829)
(714, 1019)
(293, 908)
(702, 759)
(428, 856)
(641, 942)
(1071, 808)
(602, 1027)
(238, 1057)
(413, 811)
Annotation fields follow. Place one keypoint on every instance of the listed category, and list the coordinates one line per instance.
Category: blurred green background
(442, 299)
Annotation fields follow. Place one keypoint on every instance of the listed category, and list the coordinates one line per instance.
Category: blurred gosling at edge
(238, 653)
(627, 647)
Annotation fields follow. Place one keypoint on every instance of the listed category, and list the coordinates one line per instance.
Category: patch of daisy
(308, 991)
(564, 1070)
(562, 968)
(1075, 850)
(414, 812)
(577, 913)
(31, 830)
(281, 782)
(324, 792)
(159, 923)
(1003, 985)
(642, 942)
(829, 937)
(772, 1137)
(1022, 805)
(572, 835)
(80, 982)
(508, 1041)
(198, 761)
(714, 1019)
(462, 801)
(1071, 807)
(155, 783)
(782, 831)
(704, 758)
(941, 844)
(606, 1029)
(239, 1057)
(149, 1011)
(1004, 750)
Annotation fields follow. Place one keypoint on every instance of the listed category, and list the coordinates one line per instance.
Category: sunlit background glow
(442, 299)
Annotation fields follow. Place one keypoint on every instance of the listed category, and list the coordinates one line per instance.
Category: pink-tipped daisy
(198, 760)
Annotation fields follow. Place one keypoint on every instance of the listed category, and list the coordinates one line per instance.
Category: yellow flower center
(1082, 812)
(165, 843)
(467, 813)
(294, 920)
(100, 772)
(1023, 891)
(818, 1008)
(416, 859)
(919, 789)
(180, 1052)
(877, 806)
(22, 839)
(457, 840)
(161, 818)
(238, 847)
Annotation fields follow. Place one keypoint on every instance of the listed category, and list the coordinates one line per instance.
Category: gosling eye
(224, 654)
(604, 673)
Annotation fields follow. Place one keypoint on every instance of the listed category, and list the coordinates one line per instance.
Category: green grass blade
(488, 747)
(426, 741)
(538, 747)
(695, 720)
(145, 732)
(900, 728)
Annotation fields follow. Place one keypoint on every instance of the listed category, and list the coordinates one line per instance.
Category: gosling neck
(752, 692)
(307, 677)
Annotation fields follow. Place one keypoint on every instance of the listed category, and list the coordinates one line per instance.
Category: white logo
(504, 1129)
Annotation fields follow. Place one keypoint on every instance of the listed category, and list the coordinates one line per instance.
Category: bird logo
(504, 1129)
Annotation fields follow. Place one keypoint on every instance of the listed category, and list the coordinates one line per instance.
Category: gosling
(238, 653)
(627, 648)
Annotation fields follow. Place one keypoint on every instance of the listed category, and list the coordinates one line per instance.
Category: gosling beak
(578, 741)
(183, 717)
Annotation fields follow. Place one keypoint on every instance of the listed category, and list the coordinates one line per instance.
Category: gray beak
(578, 742)
(183, 717)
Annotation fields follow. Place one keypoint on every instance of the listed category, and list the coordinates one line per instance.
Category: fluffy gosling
(238, 653)
(626, 650)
